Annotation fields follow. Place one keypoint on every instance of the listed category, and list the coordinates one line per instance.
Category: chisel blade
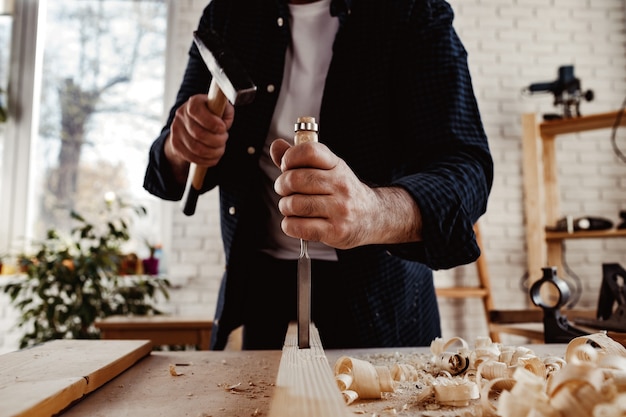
(304, 296)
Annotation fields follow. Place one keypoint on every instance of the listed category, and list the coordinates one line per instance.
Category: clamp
(551, 293)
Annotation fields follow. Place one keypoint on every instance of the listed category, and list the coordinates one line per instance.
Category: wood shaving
(230, 387)
(173, 371)
(489, 379)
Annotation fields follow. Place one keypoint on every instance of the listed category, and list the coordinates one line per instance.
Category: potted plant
(151, 263)
(70, 281)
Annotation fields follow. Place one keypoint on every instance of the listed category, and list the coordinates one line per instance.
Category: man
(401, 173)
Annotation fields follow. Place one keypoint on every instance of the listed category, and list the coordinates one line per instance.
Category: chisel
(305, 131)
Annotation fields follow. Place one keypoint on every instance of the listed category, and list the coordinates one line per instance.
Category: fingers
(305, 181)
(332, 219)
(309, 154)
(277, 150)
(322, 199)
(197, 135)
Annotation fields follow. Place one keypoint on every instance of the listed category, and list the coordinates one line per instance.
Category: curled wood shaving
(173, 371)
(455, 392)
(349, 396)
(581, 386)
(360, 376)
(504, 381)
(525, 394)
(453, 363)
(490, 393)
(231, 387)
(404, 372)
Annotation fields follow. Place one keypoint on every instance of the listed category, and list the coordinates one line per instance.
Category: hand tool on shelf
(611, 313)
(230, 82)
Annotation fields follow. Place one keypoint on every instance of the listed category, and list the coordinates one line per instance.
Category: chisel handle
(217, 104)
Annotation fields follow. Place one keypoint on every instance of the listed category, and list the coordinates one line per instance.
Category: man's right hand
(197, 136)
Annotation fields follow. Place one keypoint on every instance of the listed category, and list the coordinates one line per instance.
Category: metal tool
(611, 313)
(305, 131)
(230, 82)
(551, 293)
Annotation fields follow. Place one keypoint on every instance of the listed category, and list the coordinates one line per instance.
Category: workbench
(162, 330)
(142, 382)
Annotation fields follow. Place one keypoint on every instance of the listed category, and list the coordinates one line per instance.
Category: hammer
(230, 82)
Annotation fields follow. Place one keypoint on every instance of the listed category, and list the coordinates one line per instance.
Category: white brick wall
(511, 44)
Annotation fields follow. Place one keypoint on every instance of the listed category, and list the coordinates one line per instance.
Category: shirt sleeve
(454, 168)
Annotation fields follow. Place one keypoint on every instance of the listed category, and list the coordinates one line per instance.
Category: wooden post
(305, 384)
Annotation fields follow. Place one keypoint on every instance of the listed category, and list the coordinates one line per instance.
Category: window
(5, 46)
(97, 106)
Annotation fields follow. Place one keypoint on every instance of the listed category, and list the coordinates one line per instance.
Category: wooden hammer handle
(217, 104)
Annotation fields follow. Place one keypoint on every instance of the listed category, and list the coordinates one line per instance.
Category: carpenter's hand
(323, 200)
(197, 135)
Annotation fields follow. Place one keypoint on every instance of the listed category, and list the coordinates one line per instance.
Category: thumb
(277, 150)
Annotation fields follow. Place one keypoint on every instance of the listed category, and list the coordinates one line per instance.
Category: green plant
(71, 281)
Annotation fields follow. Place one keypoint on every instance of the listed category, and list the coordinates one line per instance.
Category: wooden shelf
(541, 187)
(580, 124)
(591, 234)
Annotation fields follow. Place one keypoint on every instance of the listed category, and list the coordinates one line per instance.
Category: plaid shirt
(398, 107)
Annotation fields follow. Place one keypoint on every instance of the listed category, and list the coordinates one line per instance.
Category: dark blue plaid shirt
(398, 107)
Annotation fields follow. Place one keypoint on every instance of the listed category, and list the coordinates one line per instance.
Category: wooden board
(43, 380)
(209, 384)
(305, 384)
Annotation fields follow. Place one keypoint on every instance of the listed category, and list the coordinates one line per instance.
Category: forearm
(397, 217)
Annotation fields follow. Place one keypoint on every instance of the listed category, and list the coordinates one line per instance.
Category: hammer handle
(217, 104)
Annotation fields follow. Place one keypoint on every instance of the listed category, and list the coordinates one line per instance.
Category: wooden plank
(52, 396)
(43, 380)
(211, 383)
(153, 322)
(552, 198)
(586, 234)
(462, 292)
(580, 124)
(531, 315)
(516, 316)
(305, 384)
(533, 196)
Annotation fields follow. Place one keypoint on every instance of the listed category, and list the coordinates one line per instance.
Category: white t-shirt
(308, 57)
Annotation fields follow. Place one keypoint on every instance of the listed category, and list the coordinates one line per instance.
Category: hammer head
(226, 70)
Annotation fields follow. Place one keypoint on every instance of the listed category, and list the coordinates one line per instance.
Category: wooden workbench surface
(185, 383)
(215, 384)
(212, 384)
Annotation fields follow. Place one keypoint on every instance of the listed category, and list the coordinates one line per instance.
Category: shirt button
(251, 150)
(280, 22)
(270, 88)
(231, 211)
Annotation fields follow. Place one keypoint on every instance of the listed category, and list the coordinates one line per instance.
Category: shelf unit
(541, 188)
